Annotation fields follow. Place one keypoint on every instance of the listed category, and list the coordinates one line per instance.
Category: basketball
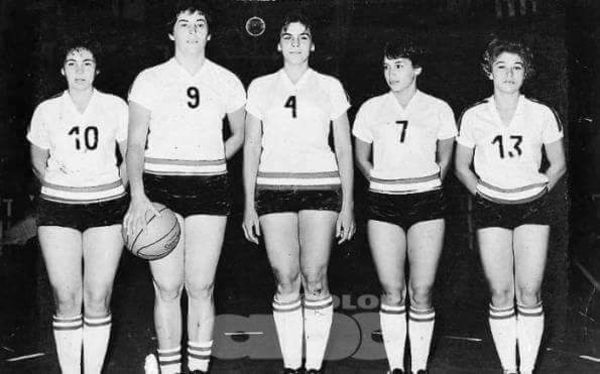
(160, 237)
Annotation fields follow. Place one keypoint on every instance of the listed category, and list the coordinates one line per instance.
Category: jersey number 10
(90, 137)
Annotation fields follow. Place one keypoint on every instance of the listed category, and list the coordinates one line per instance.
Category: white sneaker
(151, 365)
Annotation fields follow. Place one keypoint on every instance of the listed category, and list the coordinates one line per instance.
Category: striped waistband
(82, 195)
(162, 166)
(518, 195)
(308, 180)
(405, 185)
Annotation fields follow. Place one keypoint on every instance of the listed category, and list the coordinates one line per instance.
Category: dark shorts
(190, 195)
(487, 213)
(82, 216)
(279, 201)
(406, 210)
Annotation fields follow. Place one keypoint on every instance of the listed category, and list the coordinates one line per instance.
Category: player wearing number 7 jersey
(503, 137)
(81, 206)
(300, 189)
(177, 157)
(404, 142)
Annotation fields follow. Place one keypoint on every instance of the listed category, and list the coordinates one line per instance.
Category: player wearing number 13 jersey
(177, 157)
(300, 188)
(81, 206)
(404, 142)
(503, 137)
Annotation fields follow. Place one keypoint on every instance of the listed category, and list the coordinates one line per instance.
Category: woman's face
(295, 43)
(508, 72)
(79, 69)
(190, 32)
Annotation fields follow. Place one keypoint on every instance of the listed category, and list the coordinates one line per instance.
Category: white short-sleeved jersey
(296, 124)
(404, 141)
(186, 116)
(82, 163)
(507, 158)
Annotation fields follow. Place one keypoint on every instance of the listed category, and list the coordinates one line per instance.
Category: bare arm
(252, 152)
(123, 166)
(555, 152)
(362, 155)
(444, 155)
(39, 159)
(343, 150)
(462, 163)
(236, 126)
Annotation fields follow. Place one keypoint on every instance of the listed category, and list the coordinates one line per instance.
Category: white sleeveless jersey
(296, 122)
(404, 141)
(186, 116)
(82, 163)
(507, 158)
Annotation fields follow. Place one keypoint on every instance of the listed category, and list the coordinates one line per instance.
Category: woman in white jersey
(82, 203)
(177, 157)
(300, 189)
(502, 137)
(404, 142)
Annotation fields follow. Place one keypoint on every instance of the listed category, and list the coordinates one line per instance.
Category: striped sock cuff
(392, 309)
(502, 313)
(97, 321)
(530, 311)
(421, 315)
(171, 356)
(318, 304)
(199, 351)
(68, 323)
(286, 306)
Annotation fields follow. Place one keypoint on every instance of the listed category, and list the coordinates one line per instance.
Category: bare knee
(393, 294)
(168, 293)
(201, 291)
(420, 295)
(67, 303)
(288, 285)
(528, 296)
(315, 284)
(96, 303)
(502, 297)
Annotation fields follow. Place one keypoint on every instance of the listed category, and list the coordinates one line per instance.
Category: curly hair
(498, 46)
(76, 41)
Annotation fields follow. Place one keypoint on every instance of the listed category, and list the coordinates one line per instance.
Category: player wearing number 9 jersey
(81, 205)
(300, 189)
(177, 157)
(404, 142)
(503, 137)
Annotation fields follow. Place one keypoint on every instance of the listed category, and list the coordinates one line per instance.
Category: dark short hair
(79, 40)
(498, 46)
(296, 17)
(404, 48)
(190, 6)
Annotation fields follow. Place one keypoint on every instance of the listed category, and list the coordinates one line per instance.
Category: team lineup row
(298, 193)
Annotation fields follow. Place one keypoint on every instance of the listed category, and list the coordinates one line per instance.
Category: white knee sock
(318, 316)
(393, 330)
(420, 332)
(199, 355)
(169, 360)
(96, 333)
(530, 328)
(503, 324)
(290, 330)
(68, 335)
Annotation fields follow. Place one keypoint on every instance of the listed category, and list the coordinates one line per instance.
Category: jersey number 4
(404, 125)
(90, 137)
(517, 140)
(291, 103)
(194, 95)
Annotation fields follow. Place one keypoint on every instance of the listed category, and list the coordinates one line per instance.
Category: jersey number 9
(194, 95)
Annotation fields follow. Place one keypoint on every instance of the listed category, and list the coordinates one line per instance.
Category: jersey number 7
(403, 133)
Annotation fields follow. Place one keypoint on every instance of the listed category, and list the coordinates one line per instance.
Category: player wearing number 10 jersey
(410, 136)
(300, 190)
(503, 137)
(178, 107)
(81, 206)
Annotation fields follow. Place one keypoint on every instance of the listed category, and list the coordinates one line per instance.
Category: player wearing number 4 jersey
(178, 108)
(81, 206)
(503, 137)
(300, 189)
(410, 136)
